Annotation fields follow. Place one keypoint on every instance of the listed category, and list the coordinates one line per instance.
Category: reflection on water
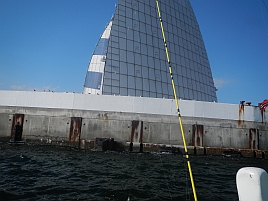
(55, 173)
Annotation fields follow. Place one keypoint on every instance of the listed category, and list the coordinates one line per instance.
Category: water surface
(30, 172)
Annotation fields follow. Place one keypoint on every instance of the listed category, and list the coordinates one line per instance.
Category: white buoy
(252, 184)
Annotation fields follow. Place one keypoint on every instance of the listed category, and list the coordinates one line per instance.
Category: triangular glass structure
(129, 59)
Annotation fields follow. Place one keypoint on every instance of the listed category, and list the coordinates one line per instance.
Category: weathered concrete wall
(54, 124)
(135, 120)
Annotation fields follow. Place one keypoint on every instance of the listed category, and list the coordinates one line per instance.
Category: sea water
(31, 172)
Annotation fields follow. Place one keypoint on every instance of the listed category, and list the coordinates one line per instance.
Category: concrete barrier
(133, 121)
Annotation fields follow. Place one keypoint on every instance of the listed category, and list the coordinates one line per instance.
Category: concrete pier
(150, 124)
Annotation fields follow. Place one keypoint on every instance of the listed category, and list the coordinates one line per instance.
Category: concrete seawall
(149, 124)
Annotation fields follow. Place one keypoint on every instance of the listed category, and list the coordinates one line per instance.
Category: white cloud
(19, 88)
(27, 88)
(220, 82)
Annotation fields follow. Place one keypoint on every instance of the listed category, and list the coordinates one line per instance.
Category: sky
(47, 44)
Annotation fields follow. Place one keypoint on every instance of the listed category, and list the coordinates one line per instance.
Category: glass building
(130, 58)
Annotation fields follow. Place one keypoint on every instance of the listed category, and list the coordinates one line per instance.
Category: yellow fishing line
(177, 102)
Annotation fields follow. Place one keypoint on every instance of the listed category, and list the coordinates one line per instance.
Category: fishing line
(176, 101)
(187, 192)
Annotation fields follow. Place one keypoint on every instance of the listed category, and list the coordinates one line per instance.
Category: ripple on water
(54, 173)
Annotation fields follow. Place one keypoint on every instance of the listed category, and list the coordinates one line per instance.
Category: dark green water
(54, 173)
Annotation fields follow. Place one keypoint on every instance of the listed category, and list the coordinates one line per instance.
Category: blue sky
(47, 44)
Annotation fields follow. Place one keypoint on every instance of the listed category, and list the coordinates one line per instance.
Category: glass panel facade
(93, 80)
(101, 47)
(135, 62)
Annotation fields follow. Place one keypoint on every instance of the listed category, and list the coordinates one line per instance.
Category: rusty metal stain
(137, 131)
(197, 135)
(228, 152)
(75, 129)
(17, 122)
(241, 113)
(260, 154)
(105, 116)
(262, 116)
(248, 103)
(248, 153)
(253, 138)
